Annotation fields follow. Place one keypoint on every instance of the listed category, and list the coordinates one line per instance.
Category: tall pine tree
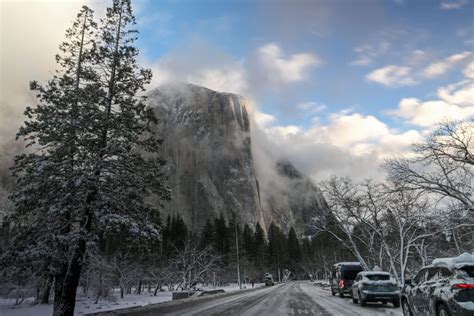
(87, 175)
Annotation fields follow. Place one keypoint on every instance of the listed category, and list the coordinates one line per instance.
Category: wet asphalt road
(284, 299)
(294, 298)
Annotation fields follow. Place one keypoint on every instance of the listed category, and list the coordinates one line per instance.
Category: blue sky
(391, 31)
(334, 86)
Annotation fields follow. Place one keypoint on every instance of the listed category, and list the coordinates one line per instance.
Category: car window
(350, 273)
(444, 273)
(432, 274)
(378, 277)
(467, 271)
(420, 277)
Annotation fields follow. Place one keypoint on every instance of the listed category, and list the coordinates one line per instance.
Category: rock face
(210, 168)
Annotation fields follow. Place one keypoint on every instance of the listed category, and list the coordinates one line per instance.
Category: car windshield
(377, 277)
(350, 273)
(467, 271)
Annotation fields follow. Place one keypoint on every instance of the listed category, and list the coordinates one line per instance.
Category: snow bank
(455, 262)
(364, 273)
(347, 264)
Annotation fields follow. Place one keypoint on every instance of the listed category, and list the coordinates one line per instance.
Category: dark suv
(445, 288)
(342, 277)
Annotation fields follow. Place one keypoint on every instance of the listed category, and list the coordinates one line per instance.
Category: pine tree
(247, 241)
(207, 235)
(221, 236)
(277, 252)
(294, 250)
(87, 176)
(259, 248)
(46, 193)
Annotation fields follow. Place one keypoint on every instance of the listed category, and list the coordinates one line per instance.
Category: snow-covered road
(294, 298)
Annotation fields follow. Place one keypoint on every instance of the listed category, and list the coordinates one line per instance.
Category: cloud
(366, 54)
(199, 62)
(285, 69)
(268, 70)
(453, 5)
(264, 119)
(311, 107)
(415, 69)
(350, 144)
(392, 76)
(460, 94)
(469, 71)
(455, 103)
(439, 68)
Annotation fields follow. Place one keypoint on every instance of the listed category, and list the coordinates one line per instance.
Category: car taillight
(463, 286)
(341, 284)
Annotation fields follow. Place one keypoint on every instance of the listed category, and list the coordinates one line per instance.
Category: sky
(335, 86)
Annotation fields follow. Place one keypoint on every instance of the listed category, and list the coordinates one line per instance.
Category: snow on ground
(86, 305)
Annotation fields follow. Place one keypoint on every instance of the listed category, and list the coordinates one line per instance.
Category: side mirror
(408, 282)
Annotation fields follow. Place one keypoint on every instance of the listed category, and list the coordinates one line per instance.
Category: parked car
(375, 286)
(268, 279)
(343, 275)
(445, 288)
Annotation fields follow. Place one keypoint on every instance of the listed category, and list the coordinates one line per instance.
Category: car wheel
(383, 302)
(341, 294)
(354, 298)
(333, 293)
(362, 301)
(406, 308)
(396, 303)
(443, 310)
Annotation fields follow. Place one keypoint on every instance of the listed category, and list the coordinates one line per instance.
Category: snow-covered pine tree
(45, 196)
(95, 156)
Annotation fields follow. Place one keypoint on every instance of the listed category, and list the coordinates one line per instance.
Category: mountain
(210, 167)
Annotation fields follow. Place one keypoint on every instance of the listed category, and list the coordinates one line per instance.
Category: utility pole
(237, 249)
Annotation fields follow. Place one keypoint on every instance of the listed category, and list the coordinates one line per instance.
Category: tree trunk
(45, 290)
(66, 282)
(139, 289)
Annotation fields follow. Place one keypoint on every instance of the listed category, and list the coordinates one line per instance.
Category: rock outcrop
(210, 168)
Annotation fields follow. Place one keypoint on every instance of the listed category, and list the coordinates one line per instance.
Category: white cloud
(350, 129)
(392, 76)
(415, 69)
(439, 68)
(460, 94)
(456, 102)
(453, 5)
(30, 34)
(350, 144)
(286, 70)
(469, 71)
(311, 107)
(264, 119)
(366, 54)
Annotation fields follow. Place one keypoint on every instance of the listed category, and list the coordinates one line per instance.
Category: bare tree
(347, 217)
(443, 164)
(193, 263)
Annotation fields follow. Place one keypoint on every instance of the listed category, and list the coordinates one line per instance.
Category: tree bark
(45, 290)
(66, 282)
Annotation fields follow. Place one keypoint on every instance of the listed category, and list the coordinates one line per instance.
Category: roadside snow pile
(456, 262)
(347, 264)
(322, 283)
